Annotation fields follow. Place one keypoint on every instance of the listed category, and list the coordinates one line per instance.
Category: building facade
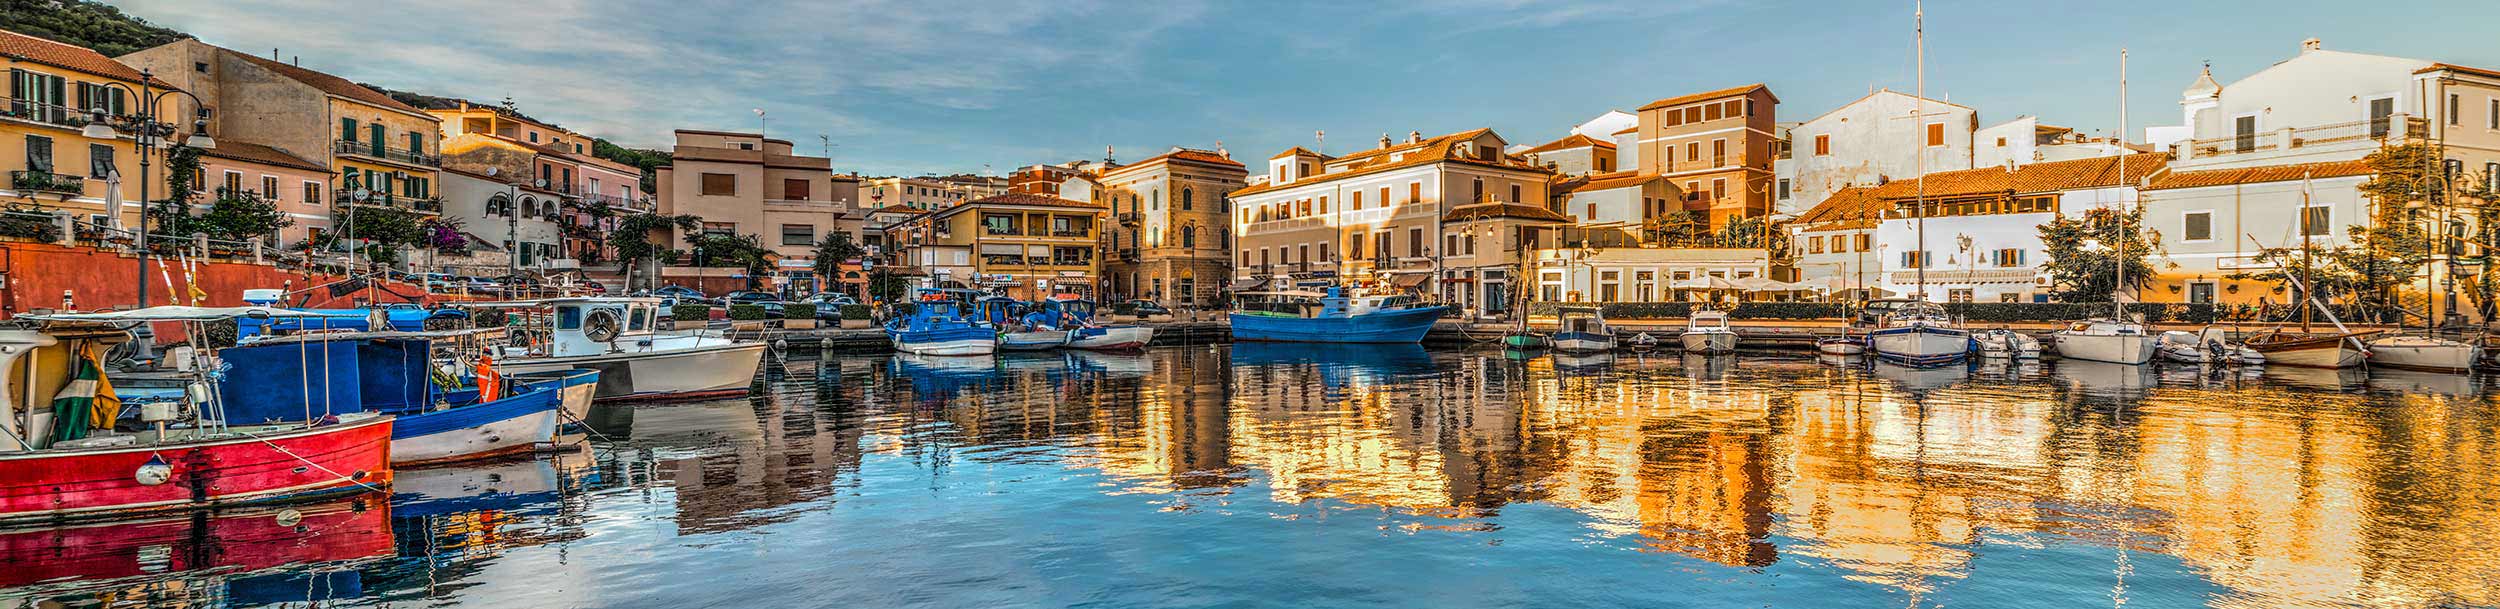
(1028, 247)
(1974, 235)
(297, 186)
(1169, 239)
(54, 91)
(1886, 135)
(1716, 147)
(1377, 214)
(750, 185)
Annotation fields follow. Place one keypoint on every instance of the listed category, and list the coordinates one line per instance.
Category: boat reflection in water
(858, 481)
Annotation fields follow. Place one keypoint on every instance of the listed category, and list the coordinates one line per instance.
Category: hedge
(798, 310)
(1988, 312)
(747, 312)
(857, 311)
(691, 312)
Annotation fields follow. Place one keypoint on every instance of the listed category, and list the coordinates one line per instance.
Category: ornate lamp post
(149, 134)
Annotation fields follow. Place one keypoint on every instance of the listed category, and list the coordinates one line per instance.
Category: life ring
(601, 325)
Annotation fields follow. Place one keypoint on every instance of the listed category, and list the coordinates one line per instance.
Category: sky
(960, 86)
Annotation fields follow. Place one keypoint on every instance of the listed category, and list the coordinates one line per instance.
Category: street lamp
(147, 134)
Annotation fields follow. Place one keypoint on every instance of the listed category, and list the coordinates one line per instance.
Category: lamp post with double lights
(148, 135)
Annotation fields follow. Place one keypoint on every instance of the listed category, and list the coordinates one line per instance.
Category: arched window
(1186, 197)
(1158, 194)
(1189, 233)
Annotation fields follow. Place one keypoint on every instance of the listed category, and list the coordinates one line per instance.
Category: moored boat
(2424, 354)
(440, 419)
(1841, 345)
(619, 338)
(2329, 350)
(1332, 317)
(1583, 330)
(1022, 327)
(2113, 341)
(1706, 332)
(2183, 347)
(938, 325)
(578, 388)
(1918, 333)
(1077, 315)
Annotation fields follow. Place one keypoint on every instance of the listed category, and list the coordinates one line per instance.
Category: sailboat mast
(1918, 129)
(2119, 307)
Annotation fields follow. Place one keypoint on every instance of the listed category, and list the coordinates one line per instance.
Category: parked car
(1148, 307)
(770, 301)
(829, 306)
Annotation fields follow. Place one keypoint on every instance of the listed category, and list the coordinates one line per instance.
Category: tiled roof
(896, 209)
(1705, 96)
(1434, 150)
(255, 153)
(1185, 154)
(1296, 151)
(1628, 130)
(1849, 204)
(1619, 179)
(1569, 142)
(2256, 175)
(1991, 180)
(67, 56)
(2097, 172)
(1481, 211)
(2458, 68)
(330, 84)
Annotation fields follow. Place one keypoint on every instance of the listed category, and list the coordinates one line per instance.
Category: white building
(1875, 139)
(2025, 140)
(1982, 226)
(1636, 274)
(490, 211)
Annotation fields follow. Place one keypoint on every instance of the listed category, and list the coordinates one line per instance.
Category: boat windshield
(568, 318)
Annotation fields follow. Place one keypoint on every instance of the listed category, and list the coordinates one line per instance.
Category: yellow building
(1032, 246)
(54, 91)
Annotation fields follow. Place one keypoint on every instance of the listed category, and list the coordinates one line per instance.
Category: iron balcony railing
(2319, 135)
(45, 181)
(54, 114)
(424, 204)
(385, 152)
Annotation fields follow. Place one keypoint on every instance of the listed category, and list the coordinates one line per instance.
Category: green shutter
(347, 130)
(379, 145)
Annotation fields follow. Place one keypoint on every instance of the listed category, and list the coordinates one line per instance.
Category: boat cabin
(1332, 303)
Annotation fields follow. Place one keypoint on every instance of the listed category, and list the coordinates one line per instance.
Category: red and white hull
(267, 467)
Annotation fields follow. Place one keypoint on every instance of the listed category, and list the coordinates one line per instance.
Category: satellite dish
(491, 171)
(542, 183)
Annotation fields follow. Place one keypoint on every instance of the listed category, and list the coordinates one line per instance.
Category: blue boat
(1022, 326)
(1077, 315)
(942, 325)
(388, 373)
(1332, 317)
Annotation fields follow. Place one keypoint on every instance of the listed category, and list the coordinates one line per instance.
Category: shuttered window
(347, 129)
(99, 160)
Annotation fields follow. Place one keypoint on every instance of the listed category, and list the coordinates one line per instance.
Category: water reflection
(1255, 474)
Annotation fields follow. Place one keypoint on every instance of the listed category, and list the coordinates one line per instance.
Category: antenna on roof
(1322, 137)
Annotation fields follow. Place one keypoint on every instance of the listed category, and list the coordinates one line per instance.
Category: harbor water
(1260, 475)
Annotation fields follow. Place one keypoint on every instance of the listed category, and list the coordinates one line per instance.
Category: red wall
(38, 272)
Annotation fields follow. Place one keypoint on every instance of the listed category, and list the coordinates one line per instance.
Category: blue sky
(905, 87)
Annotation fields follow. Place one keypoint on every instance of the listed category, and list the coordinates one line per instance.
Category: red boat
(62, 471)
(226, 542)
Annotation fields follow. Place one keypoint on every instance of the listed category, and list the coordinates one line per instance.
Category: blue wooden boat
(1332, 317)
(392, 373)
(941, 325)
(1022, 326)
(1077, 314)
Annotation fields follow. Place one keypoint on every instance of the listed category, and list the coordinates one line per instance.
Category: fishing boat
(1918, 333)
(2322, 350)
(1333, 316)
(2006, 344)
(577, 388)
(620, 338)
(1022, 327)
(1706, 332)
(2423, 353)
(2114, 341)
(939, 325)
(1087, 333)
(2183, 347)
(71, 456)
(1583, 330)
(440, 418)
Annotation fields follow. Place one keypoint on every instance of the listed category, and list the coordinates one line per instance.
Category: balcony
(1001, 231)
(385, 153)
(1126, 217)
(1073, 233)
(25, 181)
(49, 114)
(2284, 142)
(432, 205)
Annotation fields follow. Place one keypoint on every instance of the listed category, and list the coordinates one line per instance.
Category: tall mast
(1918, 148)
(2119, 308)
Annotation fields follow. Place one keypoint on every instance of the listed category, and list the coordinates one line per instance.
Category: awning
(1009, 249)
(1240, 285)
(1458, 280)
(1408, 281)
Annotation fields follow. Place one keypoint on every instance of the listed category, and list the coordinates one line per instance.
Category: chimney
(1220, 151)
(1384, 140)
(1414, 137)
(2311, 44)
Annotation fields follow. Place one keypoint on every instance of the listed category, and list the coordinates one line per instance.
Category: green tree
(832, 251)
(632, 239)
(649, 161)
(381, 231)
(885, 286)
(85, 23)
(2084, 253)
(743, 251)
(242, 216)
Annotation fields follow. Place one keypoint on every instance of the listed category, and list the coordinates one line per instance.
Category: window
(1864, 241)
(1814, 244)
(2315, 220)
(1305, 250)
(416, 143)
(1358, 200)
(2381, 111)
(99, 160)
(1958, 295)
(1692, 114)
(533, 136)
(1304, 171)
(1514, 194)
(1415, 242)
(798, 234)
(1674, 117)
(1384, 196)
(1354, 249)
(1718, 152)
(2197, 226)
(1323, 205)
(1735, 108)
(1476, 191)
(1303, 208)
(998, 224)
(720, 185)
(1913, 260)
(1414, 192)
(1158, 200)
(312, 192)
(347, 129)
(1712, 112)
(1380, 244)
(794, 189)
(2244, 133)
(234, 183)
(269, 187)
(1822, 145)
(38, 154)
(1935, 134)
(1323, 253)
(1692, 150)
(2491, 177)
(1592, 215)
(2453, 113)
(1718, 188)
(2000, 142)
(2495, 113)
(2200, 292)
(2009, 257)
(1783, 188)
(1187, 198)
(1449, 244)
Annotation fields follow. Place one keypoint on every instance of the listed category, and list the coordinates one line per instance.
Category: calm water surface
(1281, 476)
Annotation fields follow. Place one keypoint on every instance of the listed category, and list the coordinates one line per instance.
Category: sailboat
(2116, 339)
(1919, 333)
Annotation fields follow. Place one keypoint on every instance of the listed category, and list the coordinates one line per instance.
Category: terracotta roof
(2097, 172)
(1619, 179)
(1183, 154)
(1018, 198)
(1482, 211)
(1706, 95)
(1569, 142)
(1851, 208)
(1433, 150)
(255, 153)
(1991, 180)
(67, 56)
(2256, 175)
(2458, 68)
(331, 84)
(1628, 130)
(1296, 151)
(895, 209)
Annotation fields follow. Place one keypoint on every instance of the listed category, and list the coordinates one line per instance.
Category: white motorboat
(2183, 347)
(619, 338)
(2424, 354)
(2114, 341)
(1583, 330)
(2006, 344)
(1841, 345)
(1706, 331)
(1919, 333)
(1644, 341)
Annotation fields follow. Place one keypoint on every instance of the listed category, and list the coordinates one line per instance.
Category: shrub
(747, 312)
(856, 311)
(1789, 310)
(798, 310)
(29, 228)
(691, 312)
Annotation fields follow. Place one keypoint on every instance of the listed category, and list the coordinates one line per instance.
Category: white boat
(2329, 350)
(1583, 331)
(618, 337)
(1841, 345)
(1644, 341)
(2114, 341)
(1112, 338)
(1706, 331)
(2218, 342)
(2423, 354)
(1021, 338)
(2184, 348)
(1919, 333)
(579, 388)
(2006, 344)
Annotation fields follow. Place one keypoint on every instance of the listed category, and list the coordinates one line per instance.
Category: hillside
(84, 23)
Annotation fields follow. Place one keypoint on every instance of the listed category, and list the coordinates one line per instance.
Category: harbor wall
(34, 276)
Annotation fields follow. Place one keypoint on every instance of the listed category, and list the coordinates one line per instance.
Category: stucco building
(54, 90)
(1026, 246)
(1169, 238)
(297, 186)
(747, 184)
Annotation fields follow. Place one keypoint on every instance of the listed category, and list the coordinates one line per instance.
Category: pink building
(297, 186)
